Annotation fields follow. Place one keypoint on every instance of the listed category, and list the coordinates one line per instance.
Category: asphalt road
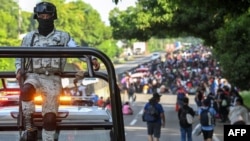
(135, 128)
(121, 68)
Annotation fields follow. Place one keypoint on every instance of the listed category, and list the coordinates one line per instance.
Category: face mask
(46, 26)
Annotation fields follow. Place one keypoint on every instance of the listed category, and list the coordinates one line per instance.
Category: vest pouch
(41, 65)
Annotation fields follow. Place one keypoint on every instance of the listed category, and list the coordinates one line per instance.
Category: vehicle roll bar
(78, 52)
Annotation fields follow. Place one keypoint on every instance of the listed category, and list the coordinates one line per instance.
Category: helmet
(45, 8)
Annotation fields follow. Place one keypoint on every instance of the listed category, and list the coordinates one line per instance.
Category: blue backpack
(207, 118)
(151, 114)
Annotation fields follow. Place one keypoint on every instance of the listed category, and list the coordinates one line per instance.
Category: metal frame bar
(79, 52)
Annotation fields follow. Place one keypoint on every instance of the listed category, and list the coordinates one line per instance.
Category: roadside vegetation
(246, 96)
(224, 29)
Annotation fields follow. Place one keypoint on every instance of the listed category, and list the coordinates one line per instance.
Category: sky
(102, 6)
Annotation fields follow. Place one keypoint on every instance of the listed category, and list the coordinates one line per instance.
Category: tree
(76, 17)
(211, 20)
(164, 18)
(233, 51)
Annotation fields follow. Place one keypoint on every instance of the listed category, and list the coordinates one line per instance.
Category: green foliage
(130, 24)
(82, 22)
(246, 98)
(9, 42)
(224, 25)
(76, 17)
(155, 44)
(7, 64)
(110, 48)
(233, 50)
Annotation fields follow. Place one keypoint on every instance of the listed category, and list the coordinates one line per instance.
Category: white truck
(139, 48)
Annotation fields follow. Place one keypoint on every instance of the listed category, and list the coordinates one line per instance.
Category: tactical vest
(48, 65)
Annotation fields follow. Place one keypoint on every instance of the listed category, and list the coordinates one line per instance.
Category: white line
(215, 138)
(133, 122)
(136, 117)
(140, 113)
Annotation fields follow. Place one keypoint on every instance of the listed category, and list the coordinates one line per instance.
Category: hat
(156, 95)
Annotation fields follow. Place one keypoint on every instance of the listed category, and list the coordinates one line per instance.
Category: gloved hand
(78, 76)
(96, 64)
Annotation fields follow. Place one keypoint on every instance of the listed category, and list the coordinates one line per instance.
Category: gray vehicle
(74, 122)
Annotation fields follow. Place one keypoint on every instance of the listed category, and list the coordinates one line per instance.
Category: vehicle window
(11, 83)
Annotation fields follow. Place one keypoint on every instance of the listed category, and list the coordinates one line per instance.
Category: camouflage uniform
(43, 73)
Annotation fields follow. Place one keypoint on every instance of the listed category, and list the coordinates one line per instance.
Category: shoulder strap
(67, 39)
(32, 40)
(29, 60)
(203, 110)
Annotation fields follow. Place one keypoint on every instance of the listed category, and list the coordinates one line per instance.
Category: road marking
(140, 113)
(133, 122)
(136, 117)
(215, 138)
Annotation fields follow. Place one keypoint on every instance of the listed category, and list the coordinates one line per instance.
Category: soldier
(43, 74)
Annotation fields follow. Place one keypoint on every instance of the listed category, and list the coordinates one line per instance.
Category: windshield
(11, 83)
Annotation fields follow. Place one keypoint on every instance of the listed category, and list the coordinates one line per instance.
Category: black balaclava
(46, 26)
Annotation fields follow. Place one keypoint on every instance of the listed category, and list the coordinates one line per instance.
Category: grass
(246, 97)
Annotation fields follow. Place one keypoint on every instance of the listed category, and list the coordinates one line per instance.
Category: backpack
(131, 90)
(185, 117)
(206, 118)
(180, 96)
(151, 114)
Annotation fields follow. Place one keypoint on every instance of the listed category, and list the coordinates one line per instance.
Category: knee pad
(49, 121)
(27, 92)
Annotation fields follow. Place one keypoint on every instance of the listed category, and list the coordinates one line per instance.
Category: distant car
(9, 92)
(155, 56)
(140, 72)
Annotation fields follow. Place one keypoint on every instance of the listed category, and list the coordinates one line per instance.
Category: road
(121, 68)
(135, 128)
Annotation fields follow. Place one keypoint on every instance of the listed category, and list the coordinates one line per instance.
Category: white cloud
(28, 5)
(105, 6)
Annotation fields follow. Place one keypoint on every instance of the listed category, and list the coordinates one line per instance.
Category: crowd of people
(193, 71)
(187, 69)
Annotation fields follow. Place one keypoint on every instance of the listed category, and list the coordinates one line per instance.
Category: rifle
(21, 83)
